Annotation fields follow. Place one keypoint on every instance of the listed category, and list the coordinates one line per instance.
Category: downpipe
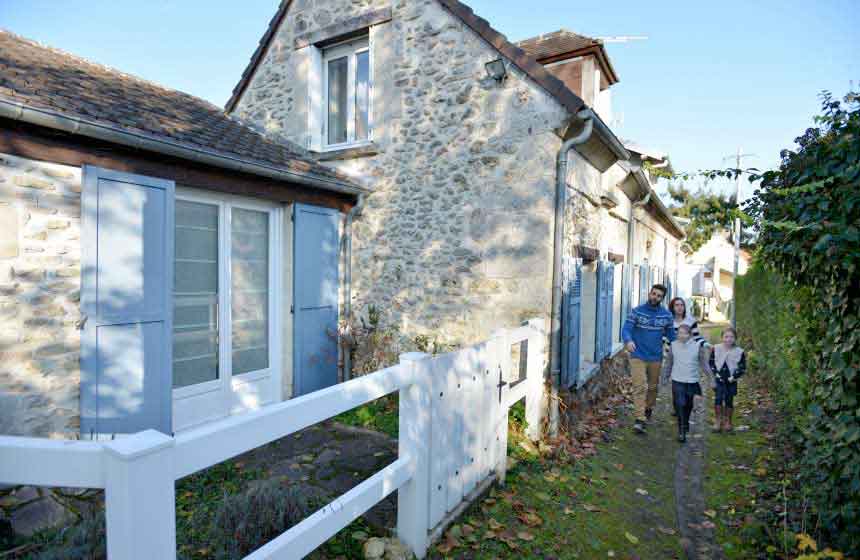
(587, 116)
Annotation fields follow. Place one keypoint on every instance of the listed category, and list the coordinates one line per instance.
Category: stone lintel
(343, 29)
(355, 152)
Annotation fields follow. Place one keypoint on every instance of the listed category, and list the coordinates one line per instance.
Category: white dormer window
(340, 92)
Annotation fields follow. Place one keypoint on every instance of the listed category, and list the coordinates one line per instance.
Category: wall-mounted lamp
(496, 70)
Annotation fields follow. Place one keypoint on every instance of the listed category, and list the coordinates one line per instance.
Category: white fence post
(140, 497)
(535, 394)
(413, 499)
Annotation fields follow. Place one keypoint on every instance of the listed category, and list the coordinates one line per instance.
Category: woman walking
(678, 308)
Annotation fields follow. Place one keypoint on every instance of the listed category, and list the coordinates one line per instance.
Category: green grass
(583, 509)
(380, 415)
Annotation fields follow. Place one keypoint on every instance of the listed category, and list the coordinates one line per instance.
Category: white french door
(226, 352)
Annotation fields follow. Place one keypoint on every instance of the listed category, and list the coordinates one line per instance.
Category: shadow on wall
(456, 239)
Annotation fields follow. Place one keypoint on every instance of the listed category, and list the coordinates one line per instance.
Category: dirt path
(697, 530)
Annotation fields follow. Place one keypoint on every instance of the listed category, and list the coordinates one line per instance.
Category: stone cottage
(154, 254)
(460, 137)
(164, 263)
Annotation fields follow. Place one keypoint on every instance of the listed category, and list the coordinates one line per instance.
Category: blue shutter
(572, 302)
(601, 326)
(643, 283)
(626, 293)
(610, 307)
(126, 298)
(315, 285)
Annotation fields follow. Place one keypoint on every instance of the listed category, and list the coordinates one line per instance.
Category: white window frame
(227, 382)
(350, 48)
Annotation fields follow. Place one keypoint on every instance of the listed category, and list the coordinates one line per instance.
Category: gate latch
(501, 384)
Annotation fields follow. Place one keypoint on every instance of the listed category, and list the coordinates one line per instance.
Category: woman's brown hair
(672, 306)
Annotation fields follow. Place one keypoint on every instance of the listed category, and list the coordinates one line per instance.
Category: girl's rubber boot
(718, 418)
(727, 423)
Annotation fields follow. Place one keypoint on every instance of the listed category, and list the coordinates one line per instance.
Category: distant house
(708, 275)
(151, 252)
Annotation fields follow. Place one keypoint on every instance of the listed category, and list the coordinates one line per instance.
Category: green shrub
(799, 307)
(85, 540)
(245, 522)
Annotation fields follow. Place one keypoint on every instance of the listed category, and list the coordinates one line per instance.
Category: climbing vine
(807, 215)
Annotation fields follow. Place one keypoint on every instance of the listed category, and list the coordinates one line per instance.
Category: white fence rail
(453, 436)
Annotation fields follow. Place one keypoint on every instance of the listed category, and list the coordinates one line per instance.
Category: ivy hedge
(798, 307)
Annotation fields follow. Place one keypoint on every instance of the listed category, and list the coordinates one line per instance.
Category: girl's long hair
(672, 306)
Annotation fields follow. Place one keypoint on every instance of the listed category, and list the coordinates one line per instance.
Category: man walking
(643, 334)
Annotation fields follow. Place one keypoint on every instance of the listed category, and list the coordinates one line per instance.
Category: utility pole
(737, 235)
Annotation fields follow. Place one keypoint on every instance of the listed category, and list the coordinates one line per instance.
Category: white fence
(453, 437)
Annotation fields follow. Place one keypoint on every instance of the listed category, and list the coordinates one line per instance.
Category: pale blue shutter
(126, 299)
(600, 315)
(644, 284)
(572, 303)
(626, 294)
(610, 307)
(316, 249)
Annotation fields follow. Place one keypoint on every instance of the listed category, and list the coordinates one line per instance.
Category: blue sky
(711, 76)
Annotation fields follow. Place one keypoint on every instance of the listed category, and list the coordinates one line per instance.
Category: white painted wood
(303, 538)
(413, 499)
(456, 406)
(46, 462)
(218, 441)
(140, 501)
(535, 401)
(441, 436)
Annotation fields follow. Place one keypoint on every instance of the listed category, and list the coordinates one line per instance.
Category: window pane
(362, 94)
(195, 294)
(250, 283)
(337, 100)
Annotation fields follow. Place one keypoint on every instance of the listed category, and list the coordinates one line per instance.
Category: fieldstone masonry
(39, 298)
(456, 238)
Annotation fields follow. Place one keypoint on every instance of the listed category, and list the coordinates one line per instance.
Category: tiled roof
(41, 77)
(521, 59)
(556, 43)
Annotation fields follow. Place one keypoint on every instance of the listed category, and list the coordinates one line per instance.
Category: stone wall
(456, 238)
(39, 298)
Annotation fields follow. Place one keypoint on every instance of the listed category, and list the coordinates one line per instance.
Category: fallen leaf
(708, 524)
(543, 496)
(632, 538)
(710, 513)
(490, 501)
(805, 542)
(530, 518)
(589, 507)
(568, 511)
(525, 536)
(666, 531)
(495, 525)
(642, 491)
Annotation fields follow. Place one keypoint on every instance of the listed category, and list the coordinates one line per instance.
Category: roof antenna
(623, 38)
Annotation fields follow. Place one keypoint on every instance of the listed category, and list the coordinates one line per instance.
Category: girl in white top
(684, 361)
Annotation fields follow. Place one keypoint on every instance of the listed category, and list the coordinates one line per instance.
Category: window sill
(349, 152)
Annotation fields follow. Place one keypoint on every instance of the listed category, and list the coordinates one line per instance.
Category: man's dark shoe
(639, 427)
(647, 414)
(682, 436)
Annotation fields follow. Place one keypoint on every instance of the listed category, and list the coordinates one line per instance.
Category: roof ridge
(552, 34)
(106, 68)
